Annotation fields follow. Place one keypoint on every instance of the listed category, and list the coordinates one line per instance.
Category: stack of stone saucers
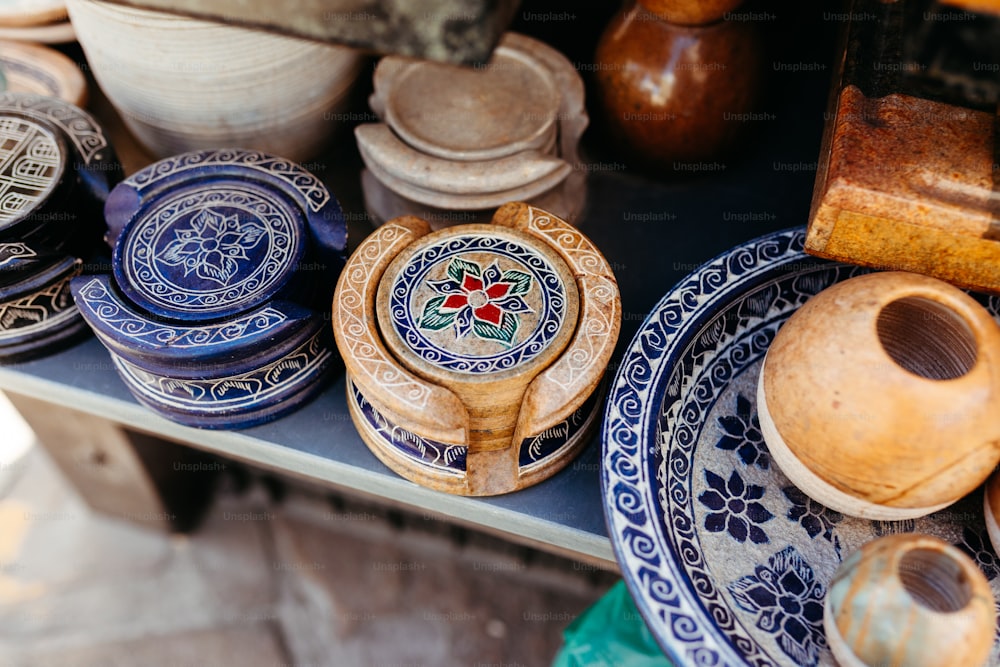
(455, 143)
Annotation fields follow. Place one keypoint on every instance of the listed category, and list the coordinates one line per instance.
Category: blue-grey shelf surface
(320, 442)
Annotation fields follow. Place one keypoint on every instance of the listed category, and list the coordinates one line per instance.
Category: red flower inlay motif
(473, 294)
(483, 301)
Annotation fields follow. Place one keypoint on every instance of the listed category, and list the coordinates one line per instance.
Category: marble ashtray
(219, 262)
(56, 168)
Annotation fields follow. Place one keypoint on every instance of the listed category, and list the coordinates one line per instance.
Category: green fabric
(610, 634)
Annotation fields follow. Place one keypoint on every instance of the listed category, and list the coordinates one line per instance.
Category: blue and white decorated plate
(727, 561)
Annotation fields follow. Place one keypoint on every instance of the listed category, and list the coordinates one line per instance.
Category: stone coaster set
(56, 168)
(220, 260)
(456, 143)
(482, 375)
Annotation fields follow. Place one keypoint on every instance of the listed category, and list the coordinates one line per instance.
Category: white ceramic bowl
(183, 84)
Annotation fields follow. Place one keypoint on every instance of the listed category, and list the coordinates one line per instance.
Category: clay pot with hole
(911, 600)
(879, 397)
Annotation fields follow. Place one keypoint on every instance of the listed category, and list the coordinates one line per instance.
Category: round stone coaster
(209, 249)
(506, 106)
(56, 168)
(60, 32)
(32, 164)
(477, 303)
(19, 13)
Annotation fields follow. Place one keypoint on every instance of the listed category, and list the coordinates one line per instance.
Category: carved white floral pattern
(212, 246)
(210, 250)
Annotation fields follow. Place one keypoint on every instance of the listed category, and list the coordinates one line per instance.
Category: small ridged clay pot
(880, 397)
(909, 601)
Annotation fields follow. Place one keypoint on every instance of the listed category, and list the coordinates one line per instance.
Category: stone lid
(477, 303)
(508, 105)
(209, 249)
(32, 68)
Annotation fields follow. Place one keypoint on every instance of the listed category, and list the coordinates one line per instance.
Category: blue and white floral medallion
(210, 250)
(56, 168)
(727, 561)
(478, 303)
(222, 261)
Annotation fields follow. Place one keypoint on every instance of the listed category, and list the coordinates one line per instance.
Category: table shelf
(653, 231)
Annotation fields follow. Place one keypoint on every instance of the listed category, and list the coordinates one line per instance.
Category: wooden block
(907, 184)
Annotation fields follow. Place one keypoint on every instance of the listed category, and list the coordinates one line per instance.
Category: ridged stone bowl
(183, 84)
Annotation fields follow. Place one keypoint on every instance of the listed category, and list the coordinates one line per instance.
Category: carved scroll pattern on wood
(565, 385)
(355, 330)
(600, 312)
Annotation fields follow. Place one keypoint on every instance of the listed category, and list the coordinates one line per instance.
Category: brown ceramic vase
(676, 94)
(691, 12)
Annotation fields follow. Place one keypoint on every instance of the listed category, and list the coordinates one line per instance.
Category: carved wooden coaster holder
(475, 353)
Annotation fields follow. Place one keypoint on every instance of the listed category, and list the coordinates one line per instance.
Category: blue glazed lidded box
(56, 169)
(219, 262)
